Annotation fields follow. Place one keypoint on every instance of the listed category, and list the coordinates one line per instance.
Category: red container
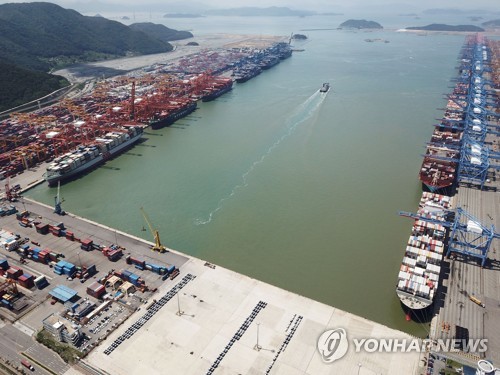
(14, 273)
(26, 281)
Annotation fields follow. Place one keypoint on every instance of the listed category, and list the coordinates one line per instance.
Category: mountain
(491, 24)
(20, 86)
(443, 27)
(455, 11)
(256, 12)
(360, 24)
(160, 32)
(39, 36)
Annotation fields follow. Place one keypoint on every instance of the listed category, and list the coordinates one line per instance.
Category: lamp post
(257, 346)
(179, 312)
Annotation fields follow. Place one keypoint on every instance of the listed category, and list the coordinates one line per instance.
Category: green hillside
(160, 32)
(38, 37)
(20, 86)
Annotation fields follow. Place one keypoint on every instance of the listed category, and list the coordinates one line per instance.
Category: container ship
(246, 72)
(73, 164)
(219, 88)
(418, 276)
(439, 168)
(174, 111)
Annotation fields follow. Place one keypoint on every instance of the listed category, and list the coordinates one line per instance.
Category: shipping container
(41, 282)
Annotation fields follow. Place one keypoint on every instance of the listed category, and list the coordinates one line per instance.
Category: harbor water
(285, 184)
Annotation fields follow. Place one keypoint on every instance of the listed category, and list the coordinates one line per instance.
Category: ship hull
(173, 117)
(216, 94)
(98, 160)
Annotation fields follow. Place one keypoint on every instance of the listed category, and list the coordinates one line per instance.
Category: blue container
(127, 274)
(4, 264)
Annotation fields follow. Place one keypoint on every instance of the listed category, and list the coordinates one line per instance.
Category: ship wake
(302, 113)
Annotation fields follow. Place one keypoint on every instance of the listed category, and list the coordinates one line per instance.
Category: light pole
(179, 312)
(257, 346)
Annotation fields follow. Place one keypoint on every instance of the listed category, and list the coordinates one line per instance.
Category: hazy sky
(375, 6)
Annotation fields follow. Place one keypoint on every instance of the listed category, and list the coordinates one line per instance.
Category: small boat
(325, 88)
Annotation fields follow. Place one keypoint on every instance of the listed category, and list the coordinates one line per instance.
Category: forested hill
(160, 32)
(21, 86)
(40, 36)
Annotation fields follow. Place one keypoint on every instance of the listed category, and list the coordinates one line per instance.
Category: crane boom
(157, 246)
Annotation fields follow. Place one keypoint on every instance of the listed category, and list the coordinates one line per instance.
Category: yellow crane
(157, 246)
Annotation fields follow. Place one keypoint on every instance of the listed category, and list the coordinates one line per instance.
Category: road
(14, 342)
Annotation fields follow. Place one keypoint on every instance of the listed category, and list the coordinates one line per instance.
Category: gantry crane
(157, 246)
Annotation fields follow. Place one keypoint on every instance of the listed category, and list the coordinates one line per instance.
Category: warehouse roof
(63, 293)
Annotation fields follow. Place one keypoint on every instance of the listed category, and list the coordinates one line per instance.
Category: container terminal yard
(132, 306)
(451, 263)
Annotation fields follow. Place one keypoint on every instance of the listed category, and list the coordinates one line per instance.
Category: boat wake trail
(302, 113)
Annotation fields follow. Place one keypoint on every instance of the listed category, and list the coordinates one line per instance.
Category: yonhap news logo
(333, 344)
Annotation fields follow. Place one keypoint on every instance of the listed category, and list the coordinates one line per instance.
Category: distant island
(492, 23)
(360, 24)
(259, 12)
(443, 27)
(182, 15)
(454, 11)
(299, 36)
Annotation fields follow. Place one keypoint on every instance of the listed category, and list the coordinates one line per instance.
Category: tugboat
(325, 88)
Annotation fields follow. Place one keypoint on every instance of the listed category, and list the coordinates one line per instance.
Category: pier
(467, 304)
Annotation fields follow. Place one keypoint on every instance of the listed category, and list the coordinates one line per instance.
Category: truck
(28, 365)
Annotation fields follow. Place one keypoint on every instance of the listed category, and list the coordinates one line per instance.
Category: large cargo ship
(73, 164)
(246, 72)
(440, 162)
(218, 89)
(439, 168)
(174, 111)
(418, 276)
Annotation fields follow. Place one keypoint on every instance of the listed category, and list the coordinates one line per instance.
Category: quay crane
(468, 237)
(157, 246)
